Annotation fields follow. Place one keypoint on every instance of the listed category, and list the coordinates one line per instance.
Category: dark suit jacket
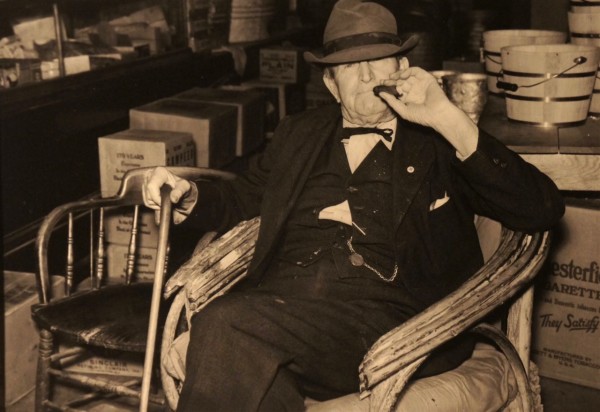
(436, 250)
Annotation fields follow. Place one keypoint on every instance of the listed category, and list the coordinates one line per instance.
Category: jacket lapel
(413, 155)
(289, 174)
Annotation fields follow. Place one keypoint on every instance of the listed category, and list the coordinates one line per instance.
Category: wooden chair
(122, 317)
(217, 265)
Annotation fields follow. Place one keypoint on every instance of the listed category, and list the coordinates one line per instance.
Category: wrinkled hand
(155, 179)
(422, 101)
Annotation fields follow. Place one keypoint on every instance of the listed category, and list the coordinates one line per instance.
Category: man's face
(352, 85)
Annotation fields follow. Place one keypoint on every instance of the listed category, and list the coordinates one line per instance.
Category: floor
(560, 396)
(556, 396)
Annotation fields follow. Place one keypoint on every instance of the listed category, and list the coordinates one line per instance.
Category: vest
(368, 191)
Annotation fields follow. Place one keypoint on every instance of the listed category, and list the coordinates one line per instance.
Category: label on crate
(566, 321)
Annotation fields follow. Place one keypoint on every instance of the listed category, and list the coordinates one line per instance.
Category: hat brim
(361, 53)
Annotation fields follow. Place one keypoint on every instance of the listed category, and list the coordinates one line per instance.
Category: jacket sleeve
(223, 204)
(499, 184)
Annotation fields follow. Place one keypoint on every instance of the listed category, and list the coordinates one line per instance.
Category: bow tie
(350, 131)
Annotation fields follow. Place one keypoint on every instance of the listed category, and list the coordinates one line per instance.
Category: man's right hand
(155, 179)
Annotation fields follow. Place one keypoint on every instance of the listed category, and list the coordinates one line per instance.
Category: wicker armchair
(217, 265)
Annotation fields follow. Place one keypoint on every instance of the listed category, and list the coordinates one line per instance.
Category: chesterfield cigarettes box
(281, 64)
(250, 106)
(566, 321)
(130, 149)
(213, 126)
(20, 333)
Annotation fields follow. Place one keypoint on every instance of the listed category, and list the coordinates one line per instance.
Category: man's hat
(358, 31)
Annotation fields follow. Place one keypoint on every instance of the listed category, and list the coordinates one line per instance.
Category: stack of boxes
(250, 112)
(213, 127)
(204, 127)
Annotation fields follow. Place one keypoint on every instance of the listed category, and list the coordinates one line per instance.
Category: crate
(213, 126)
(566, 318)
(20, 333)
(250, 106)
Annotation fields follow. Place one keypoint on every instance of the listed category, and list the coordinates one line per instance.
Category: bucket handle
(513, 87)
(488, 56)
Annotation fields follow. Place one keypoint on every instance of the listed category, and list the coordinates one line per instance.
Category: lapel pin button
(410, 169)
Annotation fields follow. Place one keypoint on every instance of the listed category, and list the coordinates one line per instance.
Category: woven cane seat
(118, 320)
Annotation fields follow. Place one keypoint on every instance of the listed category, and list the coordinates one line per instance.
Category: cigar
(388, 89)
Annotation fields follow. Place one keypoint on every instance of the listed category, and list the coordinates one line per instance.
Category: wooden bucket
(585, 30)
(250, 20)
(585, 6)
(549, 85)
(495, 40)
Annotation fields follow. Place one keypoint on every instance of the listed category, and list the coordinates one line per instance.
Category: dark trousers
(302, 333)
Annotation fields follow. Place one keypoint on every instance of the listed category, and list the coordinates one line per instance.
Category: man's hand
(155, 179)
(424, 102)
(422, 99)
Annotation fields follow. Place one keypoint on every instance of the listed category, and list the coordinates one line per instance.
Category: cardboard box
(213, 126)
(281, 99)
(116, 259)
(119, 364)
(118, 223)
(134, 148)
(250, 106)
(566, 319)
(130, 149)
(20, 333)
(37, 29)
(282, 64)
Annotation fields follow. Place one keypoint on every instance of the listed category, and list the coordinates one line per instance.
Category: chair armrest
(214, 269)
(514, 264)
(130, 193)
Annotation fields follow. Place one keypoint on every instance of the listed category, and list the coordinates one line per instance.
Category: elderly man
(366, 219)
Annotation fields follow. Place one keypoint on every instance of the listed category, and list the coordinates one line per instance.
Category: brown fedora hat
(357, 31)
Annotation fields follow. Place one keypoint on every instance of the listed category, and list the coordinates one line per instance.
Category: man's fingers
(181, 188)
(151, 191)
(155, 179)
(394, 103)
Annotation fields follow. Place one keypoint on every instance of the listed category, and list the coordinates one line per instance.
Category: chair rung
(96, 383)
(97, 395)
(67, 354)
(104, 385)
(57, 407)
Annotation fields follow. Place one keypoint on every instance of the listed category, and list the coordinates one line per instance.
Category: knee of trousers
(221, 313)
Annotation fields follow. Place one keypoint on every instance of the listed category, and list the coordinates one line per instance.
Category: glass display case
(41, 39)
